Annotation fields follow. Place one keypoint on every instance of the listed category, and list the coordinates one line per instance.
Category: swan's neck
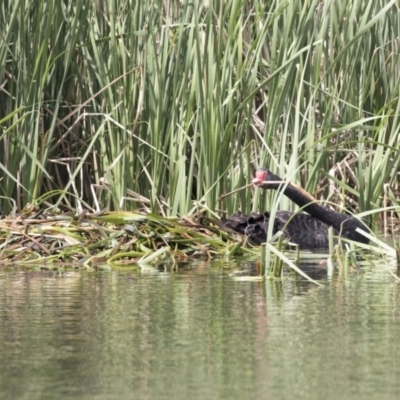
(344, 224)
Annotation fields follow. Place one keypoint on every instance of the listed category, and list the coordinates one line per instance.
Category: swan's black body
(309, 231)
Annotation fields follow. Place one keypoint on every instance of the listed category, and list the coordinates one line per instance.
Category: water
(197, 333)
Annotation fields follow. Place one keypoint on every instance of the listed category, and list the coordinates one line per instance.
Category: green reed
(167, 105)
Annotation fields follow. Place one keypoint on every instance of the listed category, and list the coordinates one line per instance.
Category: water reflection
(196, 332)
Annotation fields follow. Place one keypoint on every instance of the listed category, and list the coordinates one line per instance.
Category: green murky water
(197, 333)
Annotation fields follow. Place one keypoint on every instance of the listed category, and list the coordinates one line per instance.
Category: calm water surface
(197, 333)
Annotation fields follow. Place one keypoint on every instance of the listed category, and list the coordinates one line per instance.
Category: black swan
(308, 231)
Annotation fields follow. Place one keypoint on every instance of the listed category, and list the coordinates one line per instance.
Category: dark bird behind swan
(309, 231)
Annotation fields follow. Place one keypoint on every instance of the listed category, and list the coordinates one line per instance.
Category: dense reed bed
(164, 106)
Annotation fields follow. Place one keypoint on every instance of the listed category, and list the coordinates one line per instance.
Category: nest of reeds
(110, 237)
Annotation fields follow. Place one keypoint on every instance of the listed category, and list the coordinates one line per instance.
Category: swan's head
(265, 179)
